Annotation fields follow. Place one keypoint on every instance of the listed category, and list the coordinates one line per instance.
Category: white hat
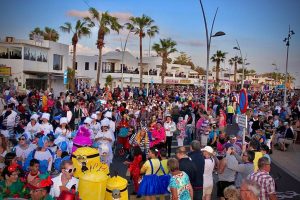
(94, 116)
(46, 116)
(34, 117)
(168, 115)
(108, 114)
(98, 112)
(63, 120)
(104, 148)
(87, 120)
(105, 122)
(208, 149)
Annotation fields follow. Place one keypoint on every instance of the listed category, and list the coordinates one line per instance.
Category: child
(33, 170)
(264, 149)
(61, 155)
(134, 167)
(181, 126)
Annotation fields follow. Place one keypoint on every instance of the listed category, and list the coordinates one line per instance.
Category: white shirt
(170, 128)
(208, 172)
(33, 129)
(47, 128)
(23, 153)
(55, 191)
(95, 128)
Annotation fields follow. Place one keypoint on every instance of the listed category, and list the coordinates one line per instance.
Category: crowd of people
(41, 132)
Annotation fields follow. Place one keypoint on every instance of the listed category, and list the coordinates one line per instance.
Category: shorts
(221, 185)
(207, 190)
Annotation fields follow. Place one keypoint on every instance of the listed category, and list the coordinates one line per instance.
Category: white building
(25, 63)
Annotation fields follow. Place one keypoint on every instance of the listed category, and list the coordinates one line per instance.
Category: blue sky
(258, 25)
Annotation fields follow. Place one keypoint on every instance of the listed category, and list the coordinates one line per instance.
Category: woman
(208, 172)
(158, 136)
(141, 139)
(181, 126)
(3, 151)
(105, 139)
(179, 186)
(95, 126)
(23, 149)
(11, 186)
(170, 128)
(149, 186)
(33, 126)
(63, 132)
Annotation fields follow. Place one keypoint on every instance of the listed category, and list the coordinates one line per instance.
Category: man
(65, 180)
(245, 168)
(9, 121)
(170, 128)
(40, 187)
(230, 113)
(255, 146)
(186, 165)
(198, 160)
(264, 180)
(287, 137)
(225, 174)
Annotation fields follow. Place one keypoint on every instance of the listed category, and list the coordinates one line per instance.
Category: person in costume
(65, 180)
(23, 148)
(42, 154)
(83, 136)
(40, 187)
(95, 126)
(149, 186)
(63, 129)
(105, 139)
(33, 126)
(46, 127)
(62, 154)
(12, 186)
(141, 139)
(158, 136)
(181, 126)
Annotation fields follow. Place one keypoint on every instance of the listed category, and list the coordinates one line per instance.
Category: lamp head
(219, 33)
(236, 48)
(292, 32)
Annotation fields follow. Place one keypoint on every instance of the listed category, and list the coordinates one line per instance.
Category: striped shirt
(266, 183)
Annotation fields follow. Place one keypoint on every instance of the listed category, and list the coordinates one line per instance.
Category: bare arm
(272, 197)
(174, 193)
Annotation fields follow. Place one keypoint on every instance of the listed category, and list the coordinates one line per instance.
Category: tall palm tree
(218, 57)
(51, 34)
(35, 31)
(105, 23)
(82, 28)
(235, 61)
(141, 26)
(151, 33)
(164, 49)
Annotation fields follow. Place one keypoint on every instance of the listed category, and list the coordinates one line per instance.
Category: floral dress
(181, 183)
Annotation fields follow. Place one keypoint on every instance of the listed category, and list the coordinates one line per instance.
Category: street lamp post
(122, 68)
(287, 43)
(208, 43)
(243, 67)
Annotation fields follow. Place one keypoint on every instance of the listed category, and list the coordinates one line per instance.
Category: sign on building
(5, 71)
(66, 77)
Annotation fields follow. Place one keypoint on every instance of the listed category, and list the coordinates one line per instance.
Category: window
(76, 63)
(10, 52)
(41, 56)
(57, 62)
(86, 65)
(29, 54)
(3, 52)
(95, 67)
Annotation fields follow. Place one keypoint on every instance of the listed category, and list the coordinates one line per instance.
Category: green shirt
(16, 189)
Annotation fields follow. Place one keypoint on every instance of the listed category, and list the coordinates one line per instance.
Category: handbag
(164, 181)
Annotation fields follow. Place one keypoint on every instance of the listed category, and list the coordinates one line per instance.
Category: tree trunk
(72, 78)
(218, 72)
(235, 71)
(99, 69)
(141, 60)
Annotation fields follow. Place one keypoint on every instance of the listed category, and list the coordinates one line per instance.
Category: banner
(5, 71)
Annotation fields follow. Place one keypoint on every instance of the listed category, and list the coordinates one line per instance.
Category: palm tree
(164, 49)
(82, 28)
(141, 26)
(51, 34)
(218, 57)
(151, 33)
(235, 60)
(35, 31)
(105, 23)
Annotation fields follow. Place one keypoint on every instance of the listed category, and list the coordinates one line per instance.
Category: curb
(286, 170)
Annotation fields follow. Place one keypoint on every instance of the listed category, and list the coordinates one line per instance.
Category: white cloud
(88, 51)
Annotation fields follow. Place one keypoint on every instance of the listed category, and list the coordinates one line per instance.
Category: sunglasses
(22, 139)
(70, 170)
